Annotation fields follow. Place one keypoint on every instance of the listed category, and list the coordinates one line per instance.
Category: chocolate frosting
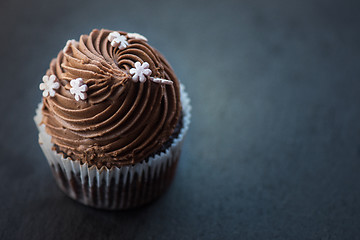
(121, 122)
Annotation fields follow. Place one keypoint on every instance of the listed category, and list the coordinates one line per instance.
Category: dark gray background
(273, 150)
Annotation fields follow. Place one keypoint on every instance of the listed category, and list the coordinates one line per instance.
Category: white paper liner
(121, 176)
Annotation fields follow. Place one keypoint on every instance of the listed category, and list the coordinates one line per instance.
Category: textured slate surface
(274, 146)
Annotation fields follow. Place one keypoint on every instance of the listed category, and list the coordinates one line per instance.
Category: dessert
(112, 120)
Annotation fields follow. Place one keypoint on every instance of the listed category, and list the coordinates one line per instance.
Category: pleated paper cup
(118, 187)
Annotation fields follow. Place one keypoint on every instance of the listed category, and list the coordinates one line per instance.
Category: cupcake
(112, 120)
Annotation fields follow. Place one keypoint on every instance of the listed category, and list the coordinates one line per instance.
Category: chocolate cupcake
(112, 120)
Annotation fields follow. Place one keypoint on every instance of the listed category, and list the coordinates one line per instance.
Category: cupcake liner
(119, 187)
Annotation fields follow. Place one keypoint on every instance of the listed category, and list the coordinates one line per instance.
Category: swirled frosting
(121, 122)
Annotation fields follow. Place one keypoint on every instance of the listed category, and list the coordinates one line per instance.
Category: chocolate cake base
(121, 195)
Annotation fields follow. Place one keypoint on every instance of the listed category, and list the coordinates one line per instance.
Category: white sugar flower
(137, 36)
(68, 43)
(78, 88)
(140, 72)
(48, 85)
(113, 35)
(118, 40)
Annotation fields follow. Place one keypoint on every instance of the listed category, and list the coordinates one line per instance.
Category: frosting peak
(116, 121)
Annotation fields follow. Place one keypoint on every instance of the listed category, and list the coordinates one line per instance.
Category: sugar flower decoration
(137, 36)
(78, 88)
(68, 43)
(49, 85)
(140, 72)
(118, 40)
